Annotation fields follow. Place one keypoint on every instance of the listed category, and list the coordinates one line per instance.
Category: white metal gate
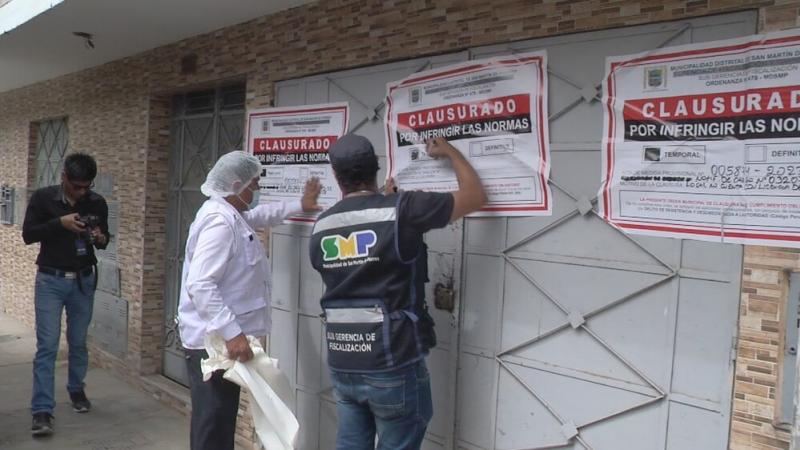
(566, 333)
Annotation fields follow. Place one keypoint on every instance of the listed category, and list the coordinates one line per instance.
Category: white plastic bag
(270, 391)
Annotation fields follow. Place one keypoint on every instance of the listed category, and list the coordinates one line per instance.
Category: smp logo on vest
(356, 245)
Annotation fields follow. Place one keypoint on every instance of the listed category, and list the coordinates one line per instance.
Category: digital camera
(90, 221)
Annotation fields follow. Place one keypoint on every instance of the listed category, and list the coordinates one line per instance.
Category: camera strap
(79, 278)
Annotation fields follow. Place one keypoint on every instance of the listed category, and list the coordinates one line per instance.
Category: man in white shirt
(226, 285)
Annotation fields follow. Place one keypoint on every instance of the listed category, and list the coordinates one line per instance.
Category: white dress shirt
(225, 284)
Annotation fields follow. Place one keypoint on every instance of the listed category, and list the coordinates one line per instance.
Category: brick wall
(759, 359)
(119, 111)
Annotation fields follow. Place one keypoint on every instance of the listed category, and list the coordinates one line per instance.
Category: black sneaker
(42, 424)
(80, 404)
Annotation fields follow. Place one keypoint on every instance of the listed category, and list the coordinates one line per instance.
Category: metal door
(566, 333)
(297, 338)
(574, 335)
(205, 125)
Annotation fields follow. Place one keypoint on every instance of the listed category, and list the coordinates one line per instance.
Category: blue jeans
(396, 405)
(52, 295)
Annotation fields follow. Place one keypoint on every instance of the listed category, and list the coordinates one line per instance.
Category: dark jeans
(396, 405)
(214, 406)
(53, 295)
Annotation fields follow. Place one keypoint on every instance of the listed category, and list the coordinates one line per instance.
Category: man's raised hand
(311, 194)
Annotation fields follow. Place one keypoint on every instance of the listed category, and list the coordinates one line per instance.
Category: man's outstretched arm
(470, 195)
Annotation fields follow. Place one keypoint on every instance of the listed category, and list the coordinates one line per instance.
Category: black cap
(351, 152)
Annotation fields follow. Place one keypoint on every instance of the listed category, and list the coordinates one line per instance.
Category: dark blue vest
(374, 307)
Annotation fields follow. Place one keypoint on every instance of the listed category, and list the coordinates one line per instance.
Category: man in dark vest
(370, 252)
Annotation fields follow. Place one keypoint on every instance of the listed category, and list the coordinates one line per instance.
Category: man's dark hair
(356, 178)
(80, 167)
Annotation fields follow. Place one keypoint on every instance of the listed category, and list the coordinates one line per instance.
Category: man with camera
(68, 220)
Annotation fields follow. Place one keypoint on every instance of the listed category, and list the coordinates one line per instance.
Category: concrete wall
(119, 112)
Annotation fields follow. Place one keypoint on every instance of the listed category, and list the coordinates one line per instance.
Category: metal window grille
(52, 138)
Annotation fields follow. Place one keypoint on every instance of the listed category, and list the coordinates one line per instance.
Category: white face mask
(254, 202)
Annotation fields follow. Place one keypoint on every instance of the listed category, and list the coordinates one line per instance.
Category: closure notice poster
(292, 144)
(703, 141)
(494, 111)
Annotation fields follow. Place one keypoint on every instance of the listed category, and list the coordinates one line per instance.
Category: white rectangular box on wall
(7, 198)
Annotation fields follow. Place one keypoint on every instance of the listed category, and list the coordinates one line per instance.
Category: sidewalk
(122, 417)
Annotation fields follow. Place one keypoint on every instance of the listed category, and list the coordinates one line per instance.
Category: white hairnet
(230, 168)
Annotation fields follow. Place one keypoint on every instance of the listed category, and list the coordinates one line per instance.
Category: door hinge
(734, 347)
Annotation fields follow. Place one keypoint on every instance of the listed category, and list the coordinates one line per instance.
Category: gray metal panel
(447, 239)
(481, 234)
(285, 259)
(526, 313)
(438, 361)
(110, 252)
(528, 424)
(725, 26)
(282, 342)
(326, 393)
(109, 327)
(308, 417)
(579, 402)
(636, 328)
(633, 430)
(693, 428)
(318, 91)
(309, 343)
(428, 444)
(290, 93)
(707, 324)
(578, 166)
(177, 367)
(711, 259)
(632, 328)
(327, 425)
(477, 377)
(575, 353)
(584, 240)
(480, 305)
(108, 276)
(311, 286)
